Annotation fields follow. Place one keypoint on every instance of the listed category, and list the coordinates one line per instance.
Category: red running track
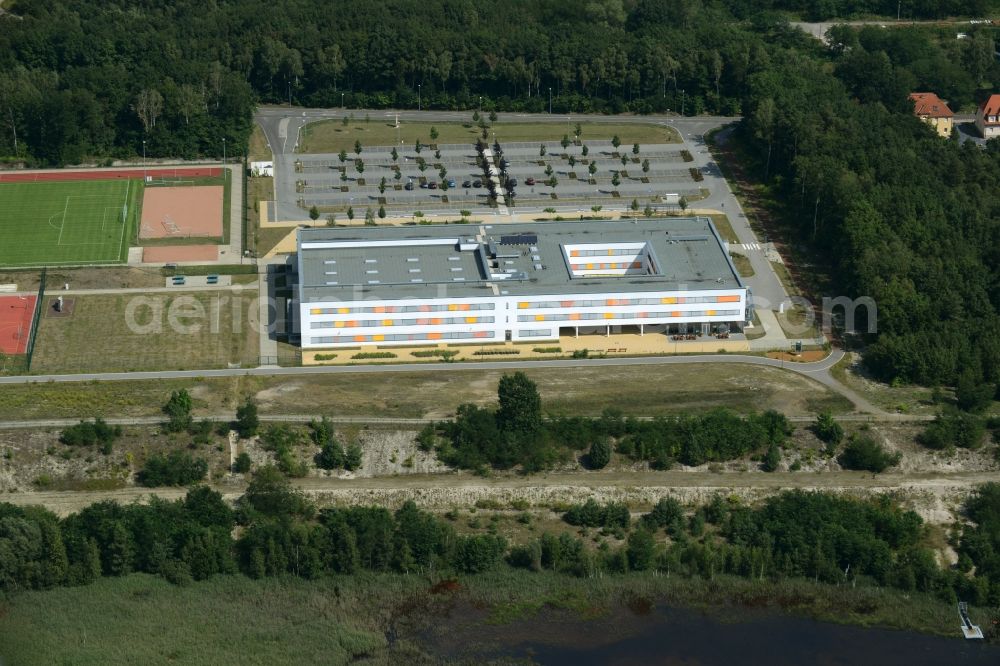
(16, 314)
(160, 172)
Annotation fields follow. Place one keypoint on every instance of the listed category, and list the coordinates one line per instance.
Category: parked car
(529, 181)
(511, 183)
(451, 182)
(409, 185)
(423, 185)
(477, 183)
(433, 185)
(466, 184)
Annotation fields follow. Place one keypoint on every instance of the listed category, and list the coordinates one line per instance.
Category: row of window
(667, 300)
(535, 333)
(376, 309)
(608, 252)
(416, 337)
(428, 321)
(601, 267)
(590, 316)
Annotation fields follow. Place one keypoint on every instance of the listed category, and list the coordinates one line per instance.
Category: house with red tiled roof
(932, 110)
(988, 117)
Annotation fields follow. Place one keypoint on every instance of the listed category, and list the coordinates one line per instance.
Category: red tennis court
(16, 313)
(109, 174)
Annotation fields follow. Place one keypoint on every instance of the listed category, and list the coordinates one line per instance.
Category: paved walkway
(266, 315)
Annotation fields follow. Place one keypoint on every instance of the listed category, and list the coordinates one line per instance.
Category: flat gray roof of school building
(465, 261)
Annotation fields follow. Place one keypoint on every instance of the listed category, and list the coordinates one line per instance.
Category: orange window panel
(590, 267)
(611, 301)
(680, 299)
(387, 322)
(465, 307)
(675, 313)
(566, 304)
(436, 320)
(359, 338)
(379, 309)
(352, 324)
(637, 264)
(433, 336)
(422, 322)
(728, 299)
(575, 316)
(390, 308)
(481, 334)
(574, 253)
(523, 305)
(425, 308)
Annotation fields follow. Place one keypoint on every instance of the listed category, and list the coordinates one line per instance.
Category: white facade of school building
(447, 284)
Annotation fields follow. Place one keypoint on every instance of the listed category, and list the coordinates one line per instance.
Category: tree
(972, 394)
(683, 203)
(342, 156)
(548, 169)
(648, 211)
(434, 133)
(585, 150)
(353, 457)
(572, 161)
(578, 131)
(270, 494)
(828, 430)
(645, 166)
(624, 160)
(634, 205)
(246, 418)
(418, 146)
(350, 212)
(178, 411)
(541, 150)
(331, 455)
(314, 213)
(772, 458)
(437, 154)
(864, 453)
(177, 468)
(565, 141)
(615, 141)
(616, 179)
(243, 463)
(148, 106)
(359, 165)
(443, 172)
(493, 117)
(369, 217)
(475, 116)
(635, 149)
(520, 409)
(381, 186)
(357, 147)
(553, 181)
(600, 454)
(381, 212)
(592, 168)
(395, 155)
(641, 549)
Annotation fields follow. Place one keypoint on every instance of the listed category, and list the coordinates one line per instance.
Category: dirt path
(932, 495)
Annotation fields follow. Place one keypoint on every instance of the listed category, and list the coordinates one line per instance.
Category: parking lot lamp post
(223, 151)
(144, 160)
(341, 100)
(419, 104)
(682, 101)
(480, 105)
(550, 101)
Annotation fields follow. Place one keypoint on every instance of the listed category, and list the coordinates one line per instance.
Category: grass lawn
(258, 150)
(639, 390)
(742, 264)
(725, 228)
(122, 332)
(332, 136)
(67, 223)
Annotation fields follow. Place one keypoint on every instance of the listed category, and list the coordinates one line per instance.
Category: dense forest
(899, 215)
(279, 532)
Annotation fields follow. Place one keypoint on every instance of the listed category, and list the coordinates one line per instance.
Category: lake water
(691, 638)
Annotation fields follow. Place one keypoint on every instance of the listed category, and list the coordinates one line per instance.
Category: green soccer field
(67, 223)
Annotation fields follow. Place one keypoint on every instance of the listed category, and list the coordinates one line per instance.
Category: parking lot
(446, 177)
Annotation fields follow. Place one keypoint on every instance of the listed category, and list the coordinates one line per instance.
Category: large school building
(420, 285)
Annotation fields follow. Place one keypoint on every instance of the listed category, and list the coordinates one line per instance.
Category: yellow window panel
(343, 310)
(609, 315)
(378, 338)
(539, 317)
(338, 324)
(522, 305)
(471, 320)
(387, 322)
(316, 311)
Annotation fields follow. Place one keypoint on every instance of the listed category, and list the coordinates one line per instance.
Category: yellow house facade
(932, 110)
